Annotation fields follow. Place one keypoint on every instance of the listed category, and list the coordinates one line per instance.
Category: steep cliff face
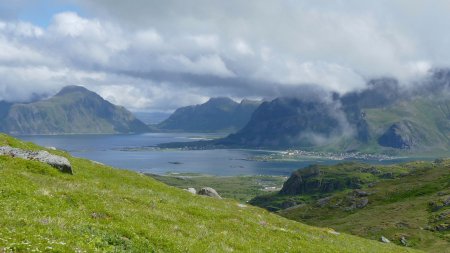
(401, 135)
(289, 122)
(73, 110)
(315, 180)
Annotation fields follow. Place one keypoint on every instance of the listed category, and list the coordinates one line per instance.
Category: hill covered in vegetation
(409, 204)
(98, 208)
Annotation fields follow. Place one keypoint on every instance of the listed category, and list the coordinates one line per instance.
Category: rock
(384, 239)
(191, 190)
(442, 227)
(333, 232)
(360, 193)
(444, 215)
(439, 160)
(362, 202)
(287, 204)
(312, 180)
(323, 201)
(371, 185)
(388, 175)
(400, 135)
(59, 162)
(402, 225)
(439, 204)
(403, 241)
(355, 203)
(210, 192)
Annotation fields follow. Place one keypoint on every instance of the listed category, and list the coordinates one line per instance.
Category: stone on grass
(403, 241)
(59, 162)
(385, 240)
(191, 190)
(360, 193)
(210, 192)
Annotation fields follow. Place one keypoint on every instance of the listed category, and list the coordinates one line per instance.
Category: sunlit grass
(109, 210)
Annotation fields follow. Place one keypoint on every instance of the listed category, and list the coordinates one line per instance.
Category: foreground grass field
(101, 209)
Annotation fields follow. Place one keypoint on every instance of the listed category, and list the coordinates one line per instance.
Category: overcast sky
(158, 55)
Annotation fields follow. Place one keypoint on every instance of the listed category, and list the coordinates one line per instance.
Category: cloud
(166, 54)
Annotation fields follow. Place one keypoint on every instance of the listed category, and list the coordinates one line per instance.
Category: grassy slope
(430, 116)
(397, 207)
(242, 188)
(104, 209)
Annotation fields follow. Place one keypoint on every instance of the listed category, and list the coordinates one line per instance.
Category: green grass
(102, 209)
(241, 188)
(403, 206)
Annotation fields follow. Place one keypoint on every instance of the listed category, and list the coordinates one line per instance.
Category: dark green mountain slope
(286, 122)
(216, 115)
(408, 203)
(73, 110)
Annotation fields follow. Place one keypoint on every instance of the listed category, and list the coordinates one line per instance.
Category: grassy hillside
(410, 200)
(109, 210)
(242, 188)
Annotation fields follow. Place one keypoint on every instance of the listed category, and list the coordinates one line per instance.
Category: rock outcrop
(210, 192)
(59, 162)
(400, 135)
(313, 179)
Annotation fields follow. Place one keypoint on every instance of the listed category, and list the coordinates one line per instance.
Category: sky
(150, 55)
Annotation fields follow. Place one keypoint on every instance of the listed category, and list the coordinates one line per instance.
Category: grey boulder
(191, 190)
(59, 162)
(210, 192)
(384, 239)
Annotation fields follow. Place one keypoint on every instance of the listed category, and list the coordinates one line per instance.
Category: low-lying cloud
(159, 55)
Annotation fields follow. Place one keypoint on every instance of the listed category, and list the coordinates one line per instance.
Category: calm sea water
(133, 152)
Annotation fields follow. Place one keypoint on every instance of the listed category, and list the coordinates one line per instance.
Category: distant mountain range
(216, 115)
(73, 110)
(384, 116)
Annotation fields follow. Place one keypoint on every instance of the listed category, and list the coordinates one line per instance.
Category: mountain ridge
(218, 114)
(386, 117)
(73, 110)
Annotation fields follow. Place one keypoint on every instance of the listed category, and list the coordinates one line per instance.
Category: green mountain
(409, 204)
(102, 209)
(216, 115)
(420, 123)
(73, 110)
(286, 122)
(383, 118)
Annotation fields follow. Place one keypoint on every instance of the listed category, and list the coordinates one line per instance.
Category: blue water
(132, 152)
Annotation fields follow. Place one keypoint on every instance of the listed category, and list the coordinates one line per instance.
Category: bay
(137, 153)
